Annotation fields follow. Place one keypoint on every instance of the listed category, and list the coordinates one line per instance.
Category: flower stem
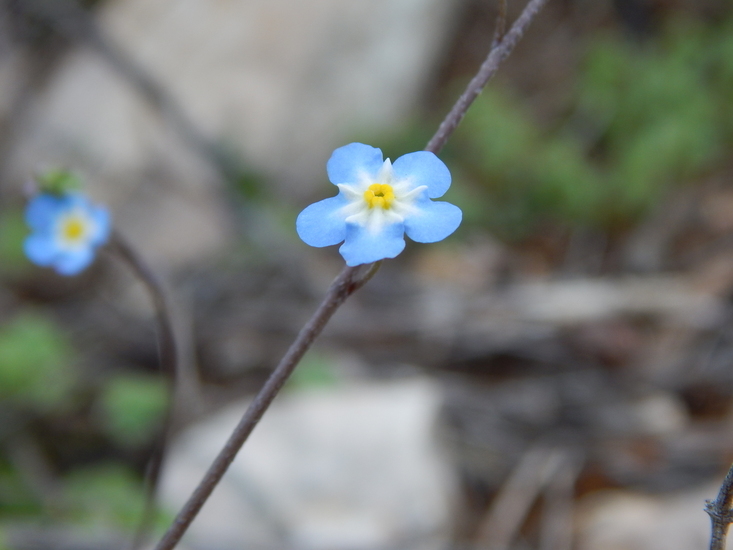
(167, 341)
(167, 351)
(721, 515)
(343, 286)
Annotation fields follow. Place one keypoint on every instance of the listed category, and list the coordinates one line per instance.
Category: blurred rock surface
(619, 520)
(347, 467)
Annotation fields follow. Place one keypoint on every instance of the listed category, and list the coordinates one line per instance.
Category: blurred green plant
(108, 495)
(645, 117)
(59, 182)
(16, 498)
(35, 363)
(12, 232)
(132, 408)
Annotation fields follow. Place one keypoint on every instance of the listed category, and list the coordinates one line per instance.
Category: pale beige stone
(620, 520)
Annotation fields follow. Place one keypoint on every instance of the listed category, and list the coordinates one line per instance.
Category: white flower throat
(374, 204)
(74, 229)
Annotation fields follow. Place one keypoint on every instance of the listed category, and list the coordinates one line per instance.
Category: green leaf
(59, 182)
(13, 231)
(132, 408)
(109, 495)
(3, 541)
(16, 498)
(35, 363)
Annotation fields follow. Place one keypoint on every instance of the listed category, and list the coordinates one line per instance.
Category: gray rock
(348, 467)
(617, 520)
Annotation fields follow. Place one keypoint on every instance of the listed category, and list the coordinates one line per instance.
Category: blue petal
(77, 200)
(101, 218)
(433, 221)
(364, 247)
(40, 249)
(72, 263)
(42, 210)
(322, 224)
(423, 168)
(349, 162)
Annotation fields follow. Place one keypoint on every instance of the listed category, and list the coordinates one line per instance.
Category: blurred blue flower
(66, 230)
(378, 203)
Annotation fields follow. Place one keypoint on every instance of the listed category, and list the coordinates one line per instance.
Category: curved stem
(166, 341)
(167, 351)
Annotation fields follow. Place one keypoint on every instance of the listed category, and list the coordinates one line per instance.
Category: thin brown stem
(167, 342)
(487, 70)
(343, 286)
(721, 515)
(168, 353)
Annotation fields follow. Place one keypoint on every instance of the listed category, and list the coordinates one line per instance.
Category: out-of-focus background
(556, 375)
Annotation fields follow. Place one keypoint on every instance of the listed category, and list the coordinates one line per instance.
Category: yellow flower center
(379, 195)
(74, 228)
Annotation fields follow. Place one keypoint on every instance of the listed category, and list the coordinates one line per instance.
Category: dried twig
(516, 497)
(721, 515)
(343, 286)
(556, 532)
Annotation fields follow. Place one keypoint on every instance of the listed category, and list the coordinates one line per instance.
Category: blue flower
(66, 231)
(378, 202)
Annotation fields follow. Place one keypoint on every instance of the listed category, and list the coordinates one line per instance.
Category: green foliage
(661, 114)
(249, 184)
(110, 495)
(35, 363)
(645, 117)
(132, 407)
(16, 498)
(12, 232)
(519, 174)
(59, 182)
